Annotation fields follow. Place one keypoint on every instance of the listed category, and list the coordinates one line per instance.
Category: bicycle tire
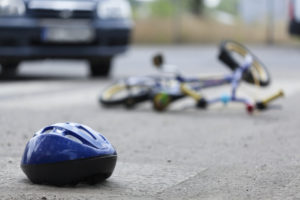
(108, 98)
(257, 74)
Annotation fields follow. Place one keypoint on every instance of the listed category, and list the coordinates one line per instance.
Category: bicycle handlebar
(261, 105)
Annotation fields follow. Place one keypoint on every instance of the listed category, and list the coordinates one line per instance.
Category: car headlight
(114, 9)
(12, 7)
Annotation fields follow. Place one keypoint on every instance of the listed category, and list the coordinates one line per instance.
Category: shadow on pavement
(39, 78)
(190, 111)
(104, 183)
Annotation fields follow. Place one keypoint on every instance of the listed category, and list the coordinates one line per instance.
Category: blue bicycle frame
(233, 79)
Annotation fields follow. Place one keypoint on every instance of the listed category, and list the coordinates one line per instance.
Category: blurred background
(100, 31)
(209, 21)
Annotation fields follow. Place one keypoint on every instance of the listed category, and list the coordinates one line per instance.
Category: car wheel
(9, 69)
(100, 67)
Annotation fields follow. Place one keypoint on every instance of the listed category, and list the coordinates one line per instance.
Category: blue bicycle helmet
(68, 153)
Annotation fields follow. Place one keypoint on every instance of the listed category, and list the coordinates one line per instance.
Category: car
(95, 30)
(294, 27)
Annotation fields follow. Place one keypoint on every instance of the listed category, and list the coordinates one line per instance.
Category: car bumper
(36, 52)
(23, 37)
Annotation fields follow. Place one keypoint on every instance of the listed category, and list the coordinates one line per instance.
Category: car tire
(100, 67)
(9, 68)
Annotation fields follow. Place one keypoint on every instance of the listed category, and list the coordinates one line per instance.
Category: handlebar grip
(158, 60)
(189, 92)
(264, 103)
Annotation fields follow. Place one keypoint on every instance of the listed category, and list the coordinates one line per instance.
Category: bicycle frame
(234, 79)
(174, 85)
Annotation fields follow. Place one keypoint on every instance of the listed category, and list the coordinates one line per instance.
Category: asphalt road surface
(184, 153)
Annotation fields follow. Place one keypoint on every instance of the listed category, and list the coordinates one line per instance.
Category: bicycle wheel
(120, 93)
(233, 53)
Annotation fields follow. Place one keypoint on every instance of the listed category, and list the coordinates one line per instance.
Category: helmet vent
(75, 139)
(47, 131)
(86, 132)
